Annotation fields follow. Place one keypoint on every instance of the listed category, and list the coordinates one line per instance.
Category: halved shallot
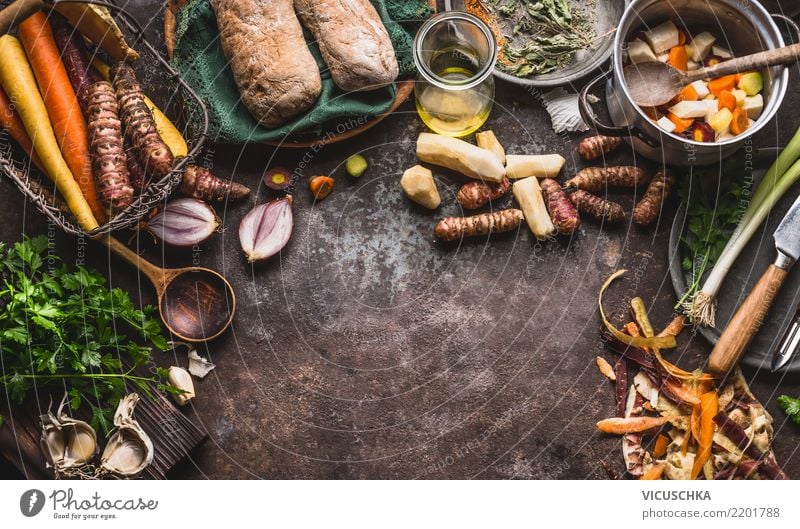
(266, 229)
(183, 222)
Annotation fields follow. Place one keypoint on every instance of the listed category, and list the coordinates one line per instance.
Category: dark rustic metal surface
(366, 350)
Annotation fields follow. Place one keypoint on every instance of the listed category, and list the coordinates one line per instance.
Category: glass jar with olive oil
(455, 54)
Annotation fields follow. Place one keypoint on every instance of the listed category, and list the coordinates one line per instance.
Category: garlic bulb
(68, 444)
(129, 450)
(181, 379)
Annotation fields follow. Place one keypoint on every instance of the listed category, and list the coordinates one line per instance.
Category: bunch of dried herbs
(544, 34)
(64, 326)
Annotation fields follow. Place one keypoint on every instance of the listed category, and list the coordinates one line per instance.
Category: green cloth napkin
(199, 59)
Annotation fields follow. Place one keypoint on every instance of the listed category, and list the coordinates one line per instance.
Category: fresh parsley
(63, 325)
(790, 406)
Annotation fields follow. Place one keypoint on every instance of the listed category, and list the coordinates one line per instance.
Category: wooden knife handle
(746, 322)
(15, 13)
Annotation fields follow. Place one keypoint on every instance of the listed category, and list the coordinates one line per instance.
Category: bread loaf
(353, 41)
(274, 70)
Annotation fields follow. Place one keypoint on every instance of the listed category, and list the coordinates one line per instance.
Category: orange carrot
(678, 58)
(62, 105)
(660, 447)
(720, 84)
(681, 125)
(740, 121)
(709, 406)
(726, 99)
(621, 426)
(10, 120)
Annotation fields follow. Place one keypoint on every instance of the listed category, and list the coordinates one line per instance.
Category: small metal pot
(743, 26)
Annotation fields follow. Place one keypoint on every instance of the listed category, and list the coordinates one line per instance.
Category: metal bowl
(607, 16)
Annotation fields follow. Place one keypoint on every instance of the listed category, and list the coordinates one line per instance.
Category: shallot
(266, 229)
(183, 222)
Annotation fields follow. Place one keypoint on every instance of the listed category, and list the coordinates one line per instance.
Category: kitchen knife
(789, 344)
(748, 318)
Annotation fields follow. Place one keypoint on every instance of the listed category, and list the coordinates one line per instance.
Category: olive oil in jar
(455, 88)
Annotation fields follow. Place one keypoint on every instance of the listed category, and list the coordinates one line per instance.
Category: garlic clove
(183, 222)
(129, 450)
(68, 444)
(199, 366)
(82, 445)
(266, 229)
(181, 379)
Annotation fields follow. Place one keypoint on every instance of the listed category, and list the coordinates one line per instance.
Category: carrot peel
(709, 407)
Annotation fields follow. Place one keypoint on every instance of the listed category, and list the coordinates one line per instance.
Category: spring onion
(702, 308)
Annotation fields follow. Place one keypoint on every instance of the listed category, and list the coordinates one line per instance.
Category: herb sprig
(64, 325)
(790, 406)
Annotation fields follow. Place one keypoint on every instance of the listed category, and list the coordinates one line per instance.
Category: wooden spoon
(652, 84)
(196, 304)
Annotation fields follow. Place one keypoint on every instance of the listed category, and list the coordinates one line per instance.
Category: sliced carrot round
(726, 99)
(740, 121)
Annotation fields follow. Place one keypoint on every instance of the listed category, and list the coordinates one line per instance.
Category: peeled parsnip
(460, 156)
(487, 140)
(528, 195)
(539, 165)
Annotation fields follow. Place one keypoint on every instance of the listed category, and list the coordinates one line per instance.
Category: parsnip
(98, 25)
(418, 185)
(460, 156)
(528, 195)
(487, 140)
(539, 165)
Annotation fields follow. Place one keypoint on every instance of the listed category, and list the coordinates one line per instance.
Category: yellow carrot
(17, 78)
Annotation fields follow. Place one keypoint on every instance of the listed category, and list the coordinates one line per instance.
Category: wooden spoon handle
(17, 12)
(746, 322)
(157, 275)
(785, 55)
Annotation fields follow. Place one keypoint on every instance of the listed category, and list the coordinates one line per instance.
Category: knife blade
(789, 344)
(750, 315)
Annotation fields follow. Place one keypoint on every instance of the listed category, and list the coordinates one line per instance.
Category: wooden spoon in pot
(652, 84)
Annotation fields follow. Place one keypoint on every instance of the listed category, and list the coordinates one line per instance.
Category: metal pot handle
(790, 23)
(607, 130)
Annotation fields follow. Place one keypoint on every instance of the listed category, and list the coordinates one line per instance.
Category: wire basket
(152, 70)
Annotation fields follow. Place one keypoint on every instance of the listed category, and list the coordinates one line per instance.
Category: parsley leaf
(790, 406)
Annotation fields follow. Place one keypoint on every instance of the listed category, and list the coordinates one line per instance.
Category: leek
(702, 308)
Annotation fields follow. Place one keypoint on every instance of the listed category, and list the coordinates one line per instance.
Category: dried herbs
(544, 34)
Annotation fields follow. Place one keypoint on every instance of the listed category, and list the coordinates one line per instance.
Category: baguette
(353, 41)
(274, 70)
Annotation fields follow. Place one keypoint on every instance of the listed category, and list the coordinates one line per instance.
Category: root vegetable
(528, 195)
(277, 178)
(321, 186)
(109, 161)
(418, 185)
(654, 472)
(97, 24)
(11, 122)
(474, 195)
(460, 156)
(62, 105)
(266, 229)
(596, 146)
(17, 78)
(624, 425)
(648, 209)
(562, 212)
(136, 176)
(597, 208)
(538, 165)
(594, 179)
(140, 127)
(605, 368)
(487, 140)
(201, 183)
(454, 228)
(356, 165)
(75, 57)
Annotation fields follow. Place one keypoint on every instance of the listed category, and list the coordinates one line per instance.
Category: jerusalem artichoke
(594, 179)
(474, 195)
(597, 208)
(528, 195)
(539, 165)
(140, 127)
(562, 212)
(460, 156)
(418, 185)
(487, 140)
(648, 209)
(596, 146)
(109, 163)
(201, 183)
(454, 228)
